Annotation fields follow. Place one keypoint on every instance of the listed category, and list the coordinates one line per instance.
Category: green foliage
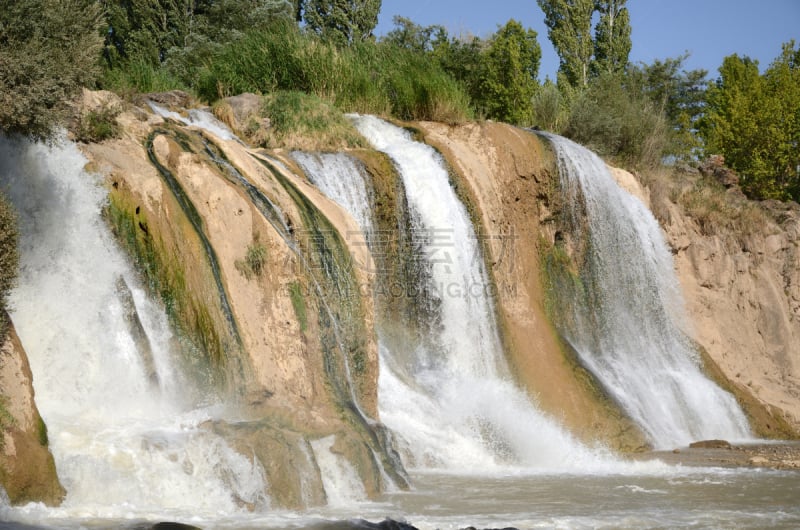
(145, 29)
(462, 59)
(48, 51)
(414, 37)
(680, 94)
(9, 257)
(295, 117)
(617, 123)
(98, 125)
(223, 20)
(299, 305)
(498, 74)
(511, 65)
(41, 432)
(549, 108)
(569, 24)
(138, 75)
(343, 22)
(6, 420)
(253, 263)
(612, 36)
(754, 122)
(366, 77)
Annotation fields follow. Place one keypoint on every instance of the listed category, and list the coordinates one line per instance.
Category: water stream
(454, 404)
(122, 446)
(630, 328)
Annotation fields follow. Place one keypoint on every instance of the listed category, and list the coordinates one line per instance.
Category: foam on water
(197, 118)
(121, 445)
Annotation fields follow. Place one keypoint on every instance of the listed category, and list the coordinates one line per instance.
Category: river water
(670, 498)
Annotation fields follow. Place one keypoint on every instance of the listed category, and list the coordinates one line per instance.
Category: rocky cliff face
(743, 297)
(27, 470)
(250, 262)
(253, 266)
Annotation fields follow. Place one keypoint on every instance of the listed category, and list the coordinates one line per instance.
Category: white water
(122, 447)
(340, 480)
(454, 406)
(632, 338)
(341, 179)
(197, 118)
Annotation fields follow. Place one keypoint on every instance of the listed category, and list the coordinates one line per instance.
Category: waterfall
(343, 181)
(125, 443)
(628, 330)
(452, 402)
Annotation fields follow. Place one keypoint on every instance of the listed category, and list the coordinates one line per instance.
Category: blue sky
(708, 29)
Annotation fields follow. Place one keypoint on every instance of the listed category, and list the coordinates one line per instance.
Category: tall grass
(139, 75)
(369, 77)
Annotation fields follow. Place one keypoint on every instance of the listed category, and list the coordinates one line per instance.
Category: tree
(342, 21)
(678, 93)
(754, 122)
(511, 66)
(9, 257)
(569, 24)
(146, 29)
(49, 49)
(612, 36)
(411, 36)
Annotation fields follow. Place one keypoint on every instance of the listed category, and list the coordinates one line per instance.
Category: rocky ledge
(718, 453)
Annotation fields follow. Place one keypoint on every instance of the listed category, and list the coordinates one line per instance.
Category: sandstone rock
(710, 444)
(27, 469)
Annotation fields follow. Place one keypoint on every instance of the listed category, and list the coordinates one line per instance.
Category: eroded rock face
(744, 304)
(27, 470)
(238, 264)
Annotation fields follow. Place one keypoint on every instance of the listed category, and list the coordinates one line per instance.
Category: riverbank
(770, 455)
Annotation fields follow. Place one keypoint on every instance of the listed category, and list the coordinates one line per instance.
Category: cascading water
(453, 404)
(343, 181)
(123, 446)
(629, 330)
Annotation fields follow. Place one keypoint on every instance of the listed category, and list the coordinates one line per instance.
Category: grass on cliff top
(368, 77)
(303, 121)
(716, 210)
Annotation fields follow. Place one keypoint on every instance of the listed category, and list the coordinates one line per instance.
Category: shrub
(365, 77)
(48, 50)
(139, 75)
(302, 121)
(617, 124)
(9, 257)
(253, 262)
(98, 124)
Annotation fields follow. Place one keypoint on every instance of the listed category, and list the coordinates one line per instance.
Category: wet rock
(172, 99)
(710, 444)
(361, 524)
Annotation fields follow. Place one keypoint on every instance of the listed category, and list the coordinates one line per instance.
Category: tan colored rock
(278, 376)
(27, 469)
(510, 177)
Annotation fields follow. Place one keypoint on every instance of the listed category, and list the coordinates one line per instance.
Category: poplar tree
(342, 21)
(612, 36)
(569, 25)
